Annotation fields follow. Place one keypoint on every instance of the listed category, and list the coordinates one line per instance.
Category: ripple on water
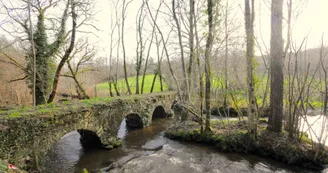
(190, 158)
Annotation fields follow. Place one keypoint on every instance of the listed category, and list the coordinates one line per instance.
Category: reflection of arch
(133, 120)
(90, 140)
(159, 112)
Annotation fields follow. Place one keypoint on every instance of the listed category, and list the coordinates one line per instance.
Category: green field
(121, 85)
(240, 94)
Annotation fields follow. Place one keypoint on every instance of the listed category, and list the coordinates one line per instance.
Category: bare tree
(67, 52)
(252, 111)
(147, 58)
(185, 77)
(191, 40)
(114, 78)
(124, 9)
(83, 52)
(114, 26)
(165, 49)
(200, 73)
(140, 44)
(158, 71)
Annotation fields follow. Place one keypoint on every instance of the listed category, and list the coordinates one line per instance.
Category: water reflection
(64, 154)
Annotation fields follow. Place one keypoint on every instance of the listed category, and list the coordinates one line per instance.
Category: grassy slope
(103, 87)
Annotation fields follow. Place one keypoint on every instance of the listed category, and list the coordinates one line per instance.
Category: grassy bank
(232, 136)
(121, 85)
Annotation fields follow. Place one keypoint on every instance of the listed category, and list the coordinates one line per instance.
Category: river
(147, 150)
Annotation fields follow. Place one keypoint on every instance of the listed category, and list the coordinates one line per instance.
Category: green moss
(66, 103)
(115, 142)
(84, 170)
(197, 131)
(292, 147)
(305, 138)
(14, 114)
(242, 131)
(59, 107)
(218, 138)
(25, 108)
(3, 166)
(181, 133)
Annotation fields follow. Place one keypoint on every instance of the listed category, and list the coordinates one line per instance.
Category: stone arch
(134, 121)
(159, 112)
(90, 140)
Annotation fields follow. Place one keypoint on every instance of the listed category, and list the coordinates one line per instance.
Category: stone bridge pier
(27, 135)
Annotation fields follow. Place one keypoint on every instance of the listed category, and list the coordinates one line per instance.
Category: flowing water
(147, 150)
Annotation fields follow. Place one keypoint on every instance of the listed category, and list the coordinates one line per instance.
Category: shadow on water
(67, 156)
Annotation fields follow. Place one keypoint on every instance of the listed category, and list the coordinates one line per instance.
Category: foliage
(45, 65)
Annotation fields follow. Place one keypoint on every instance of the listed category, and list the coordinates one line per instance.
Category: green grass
(104, 87)
(240, 94)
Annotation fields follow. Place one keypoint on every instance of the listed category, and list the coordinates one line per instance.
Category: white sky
(312, 21)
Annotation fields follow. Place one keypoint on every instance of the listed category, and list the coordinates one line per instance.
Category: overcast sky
(312, 21)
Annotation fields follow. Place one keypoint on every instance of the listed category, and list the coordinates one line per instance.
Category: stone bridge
(26, 135)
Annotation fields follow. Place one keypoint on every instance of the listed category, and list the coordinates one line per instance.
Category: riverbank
(232, 136)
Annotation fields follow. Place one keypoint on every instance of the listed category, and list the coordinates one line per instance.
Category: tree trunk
(277, 75)
(110, 88)
(161, 80)
(116, 90)
(209, 44)
(66, 55)
(252, 112)
(153, 83)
